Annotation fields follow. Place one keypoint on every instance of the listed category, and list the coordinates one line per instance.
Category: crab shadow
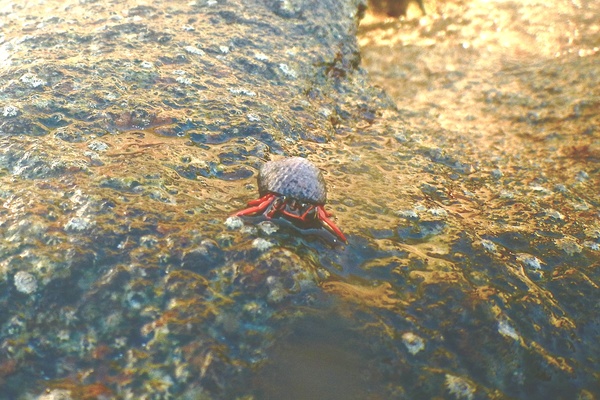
(343, 260)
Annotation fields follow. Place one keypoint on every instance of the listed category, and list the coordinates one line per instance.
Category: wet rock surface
(496, 90)
(129, 134)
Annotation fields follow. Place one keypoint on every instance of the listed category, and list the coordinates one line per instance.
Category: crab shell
(294, 177)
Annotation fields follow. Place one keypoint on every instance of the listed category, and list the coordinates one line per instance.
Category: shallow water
(131, 133)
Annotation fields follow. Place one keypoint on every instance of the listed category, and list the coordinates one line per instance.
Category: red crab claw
(323, 217)
(257, 206)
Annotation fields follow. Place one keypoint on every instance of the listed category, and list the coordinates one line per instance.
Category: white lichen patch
(194, 50)
(10, 111)
(183, 80)
(287, 71)
(268, 227)
(25, 282)
(79, 224)
(79, 197)
(506, 194)
(56, 394)
(505, 329)
(408, 214)
(97, 145)
(592, 245)
(529, 261)
(488, 245)
(262, 244)
(413, 343)
(32, 80)
(438, 212)
(234, 223)
(460, 388)
(243, 91)
(541, 190)
(261, 57)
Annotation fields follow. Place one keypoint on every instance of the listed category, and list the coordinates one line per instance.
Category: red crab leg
(258, 205)
(303, 216)
(323, 217)
(296, 216)
(258, 201)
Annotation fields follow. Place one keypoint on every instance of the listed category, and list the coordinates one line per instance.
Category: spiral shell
(293, 177)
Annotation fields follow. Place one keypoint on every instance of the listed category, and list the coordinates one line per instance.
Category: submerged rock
(129, 134)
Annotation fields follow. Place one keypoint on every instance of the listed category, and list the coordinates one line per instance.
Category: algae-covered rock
(130, 133)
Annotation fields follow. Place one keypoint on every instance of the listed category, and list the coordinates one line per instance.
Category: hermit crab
(293, 188)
